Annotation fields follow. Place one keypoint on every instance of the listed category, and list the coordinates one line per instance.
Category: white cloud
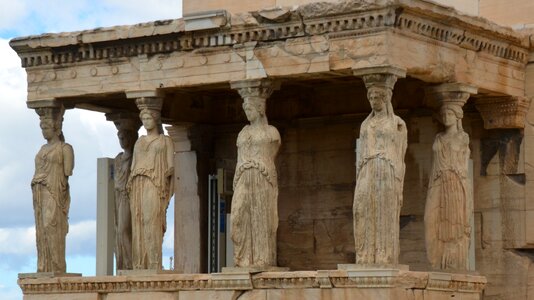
(168, 238)
(18, 249)
(104, 131)
(12, 12)
(134, 11)
(19, 132)
(18, 241)
(81, 239)
(12, 80)
(27, 17)
(10, 293)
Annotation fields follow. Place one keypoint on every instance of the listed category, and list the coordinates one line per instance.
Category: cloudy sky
(89, 133)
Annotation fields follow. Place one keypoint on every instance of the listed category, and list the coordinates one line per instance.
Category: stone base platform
(334, 284)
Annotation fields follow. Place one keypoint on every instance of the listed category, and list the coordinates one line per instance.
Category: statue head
(49, 129)
(51, 122)
(127, 124)
(127, 138)
(254, 108)
(127, 135)
(380, 99)
(151, 119)
(451, 115)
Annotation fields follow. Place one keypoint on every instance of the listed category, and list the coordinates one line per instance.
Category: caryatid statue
(380, 176)
(254, 213)
(150, 186)
(51, 199)
(127, 128)
(448, 209)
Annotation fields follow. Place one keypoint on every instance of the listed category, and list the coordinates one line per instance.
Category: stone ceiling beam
(144, 94)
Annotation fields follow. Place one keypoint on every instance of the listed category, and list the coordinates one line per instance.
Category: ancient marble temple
(368, 150)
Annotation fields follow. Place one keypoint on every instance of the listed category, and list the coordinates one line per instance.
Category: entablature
(334, 19)
(432, 43)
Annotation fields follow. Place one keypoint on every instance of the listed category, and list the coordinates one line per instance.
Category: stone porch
(314, 52)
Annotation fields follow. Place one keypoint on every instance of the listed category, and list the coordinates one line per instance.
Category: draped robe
(448, 211)
(254, 212)
(51, 202)
(123, 217)
(378, 192)
(150, 188)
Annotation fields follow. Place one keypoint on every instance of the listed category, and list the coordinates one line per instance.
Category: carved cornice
(152, 103)
(256, 88)
(231, 281)
(265, 280)
(456, 282)
(416, 18)
(365, 281)
(275, 280)
(115, 284)
(53, 113)
(462, 37)
(382, 76)
(503, 112)
(449, 93)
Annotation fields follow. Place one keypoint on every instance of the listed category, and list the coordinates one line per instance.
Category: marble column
(254, 212)
(54, 164)
(191, 155)
(449, 202)
(380, 172)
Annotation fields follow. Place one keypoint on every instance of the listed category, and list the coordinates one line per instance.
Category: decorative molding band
(364, 282)
(380, 76)
(115, 284)
(399, 16)
(255, 88)
(461, 37)
(449, 93)
(265, 280)
(231, 281)
(298, 279)
(455, 282)
(503, 112)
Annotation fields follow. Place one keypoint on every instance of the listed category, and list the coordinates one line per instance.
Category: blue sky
(89, 133)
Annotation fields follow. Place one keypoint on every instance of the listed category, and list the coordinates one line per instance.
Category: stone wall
(505, 204)
(316, 178)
